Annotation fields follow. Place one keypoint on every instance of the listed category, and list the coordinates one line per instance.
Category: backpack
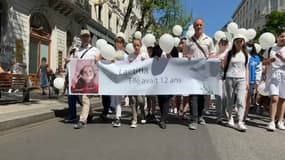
(229, 57)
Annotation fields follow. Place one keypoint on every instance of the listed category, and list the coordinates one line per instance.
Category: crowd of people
(243, 69)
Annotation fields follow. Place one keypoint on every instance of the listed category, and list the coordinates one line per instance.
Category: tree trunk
(127, 16)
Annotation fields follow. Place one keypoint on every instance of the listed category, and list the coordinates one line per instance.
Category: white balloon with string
(177, 30)
(166, 43)
(232, 27)
(189, 33)
(100, 43)
(266, 40)
(219, 35)
(138, 35)
(149, 40)
(176, 41)
(251, 33)
(58, 83)
(130, 48)
(108, 52)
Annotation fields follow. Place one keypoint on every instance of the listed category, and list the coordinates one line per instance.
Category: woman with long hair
(236, 80)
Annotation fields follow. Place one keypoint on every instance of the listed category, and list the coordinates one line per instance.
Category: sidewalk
(14, 113)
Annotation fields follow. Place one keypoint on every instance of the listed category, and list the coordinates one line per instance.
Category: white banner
(175, 76)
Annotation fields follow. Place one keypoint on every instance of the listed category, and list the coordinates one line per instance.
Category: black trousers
(197, 105)
(106, 101)
(163, 102)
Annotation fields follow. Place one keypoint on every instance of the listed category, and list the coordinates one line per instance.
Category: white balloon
(266, 40)
(177, 30)
(130, 48)
(108, 52)
(148, 40)
(251, 33)
(242, 31)
(257, 47)
(138, 35)
(166, 43)
(58, 83)
(232, 27)
(219, 35)
(190, 33)
(119, 55)
(100, 43)
(176, 41)
(229, 36)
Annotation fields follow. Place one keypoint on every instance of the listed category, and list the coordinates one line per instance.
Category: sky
(216, 13)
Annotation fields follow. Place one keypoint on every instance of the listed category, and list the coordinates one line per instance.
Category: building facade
(33, 29)
(251, 13)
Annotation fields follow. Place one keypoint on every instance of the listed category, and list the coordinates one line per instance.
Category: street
(54, 140)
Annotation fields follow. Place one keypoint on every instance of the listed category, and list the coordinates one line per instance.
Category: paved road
(54, 140)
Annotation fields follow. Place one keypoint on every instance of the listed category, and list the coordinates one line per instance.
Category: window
(110, 20)
(100, 13)
(273, 5)
(117, 25)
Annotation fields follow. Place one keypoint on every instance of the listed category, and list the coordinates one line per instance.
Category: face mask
(249, 49)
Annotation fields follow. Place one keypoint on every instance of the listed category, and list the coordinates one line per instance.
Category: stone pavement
(14, 113)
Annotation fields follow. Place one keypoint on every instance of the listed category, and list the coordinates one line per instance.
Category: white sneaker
(280, 125)
(134, 124)
(171, 110)
(241, 127)
(271, 126)
(143, 121)
(231, 122)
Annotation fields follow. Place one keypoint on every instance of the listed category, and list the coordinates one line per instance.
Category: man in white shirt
(85, 51)
(198, 46)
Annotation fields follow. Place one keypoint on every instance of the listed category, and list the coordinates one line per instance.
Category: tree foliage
(275, 22)
(170, 13)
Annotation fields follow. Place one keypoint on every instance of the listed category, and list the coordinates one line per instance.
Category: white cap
(84, 31)
(122, 35)
(240, 36)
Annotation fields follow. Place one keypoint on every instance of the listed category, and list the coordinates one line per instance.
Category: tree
(275, 22)
(171, 12)
(127, 16)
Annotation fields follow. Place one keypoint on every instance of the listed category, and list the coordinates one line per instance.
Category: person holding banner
(121, 58)
(220, 99)
(236, 80)
(85, 51)
(198, 46)
(137, 101)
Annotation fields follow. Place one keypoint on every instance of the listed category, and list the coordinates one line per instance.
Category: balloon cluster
(266, 40)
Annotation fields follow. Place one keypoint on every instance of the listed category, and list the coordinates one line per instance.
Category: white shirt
(277, 65)
(137, 57)
(92, 53)
(237, 66)
(205, 42)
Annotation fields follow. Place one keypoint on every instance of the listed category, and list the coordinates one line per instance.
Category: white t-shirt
(92, 53)
(277, 65)
(137, 57)
(237, 66)
(205, 42)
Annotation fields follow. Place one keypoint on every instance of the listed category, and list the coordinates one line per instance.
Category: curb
(20, 121)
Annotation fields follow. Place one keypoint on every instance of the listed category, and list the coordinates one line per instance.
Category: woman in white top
(119, 59)
(236, 80)
(136, 101)
(275, 82)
